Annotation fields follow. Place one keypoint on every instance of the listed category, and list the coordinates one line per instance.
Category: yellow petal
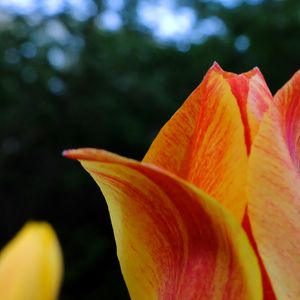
(273, 191)
(31, 265)
(204, 142)
(173, 241)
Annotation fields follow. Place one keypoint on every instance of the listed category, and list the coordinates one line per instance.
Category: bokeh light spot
(56, 85)
(57, 58)
(109, 20)
(242, 43)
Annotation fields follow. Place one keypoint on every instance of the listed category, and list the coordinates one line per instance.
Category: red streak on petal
(267, 287)
(240, 88)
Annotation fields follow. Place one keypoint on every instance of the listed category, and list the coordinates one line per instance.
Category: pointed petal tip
(254, 71)
(77, 153)
(88, 154)
(67, 153)
(215, 66)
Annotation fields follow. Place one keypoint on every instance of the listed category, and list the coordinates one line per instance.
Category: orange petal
(273, 191)
(253, 97)
(173, 241)
(204, 142)
(258, 100)
(31, 265)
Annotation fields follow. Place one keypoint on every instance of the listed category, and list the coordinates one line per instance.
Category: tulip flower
(31, 265)
(180, 217)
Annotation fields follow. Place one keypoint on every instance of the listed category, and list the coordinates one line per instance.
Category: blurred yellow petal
(31, 265)
(274, 193)
(173, 240)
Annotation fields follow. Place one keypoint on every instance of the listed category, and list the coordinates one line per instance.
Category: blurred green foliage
(114, 91)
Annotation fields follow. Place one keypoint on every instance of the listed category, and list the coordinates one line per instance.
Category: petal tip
(84, 154)
(253, 72)
(68, 153)
(216, 67)
(75, 153)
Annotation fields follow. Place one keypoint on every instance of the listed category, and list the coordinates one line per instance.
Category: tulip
(31, 265)
(180, 217)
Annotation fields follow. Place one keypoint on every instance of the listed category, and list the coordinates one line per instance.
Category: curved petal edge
(173, 241)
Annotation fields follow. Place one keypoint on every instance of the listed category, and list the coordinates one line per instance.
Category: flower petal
(258, 101)
(273, 191)
(253, 97)
(204, 142)
(173, 241)
(268, 293)
(31, 265)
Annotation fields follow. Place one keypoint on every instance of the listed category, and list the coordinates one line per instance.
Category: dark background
(68, 79)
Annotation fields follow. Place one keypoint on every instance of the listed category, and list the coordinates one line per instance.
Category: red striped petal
(273, 191)
(173, 241)
(205, 141)
(253, 97)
